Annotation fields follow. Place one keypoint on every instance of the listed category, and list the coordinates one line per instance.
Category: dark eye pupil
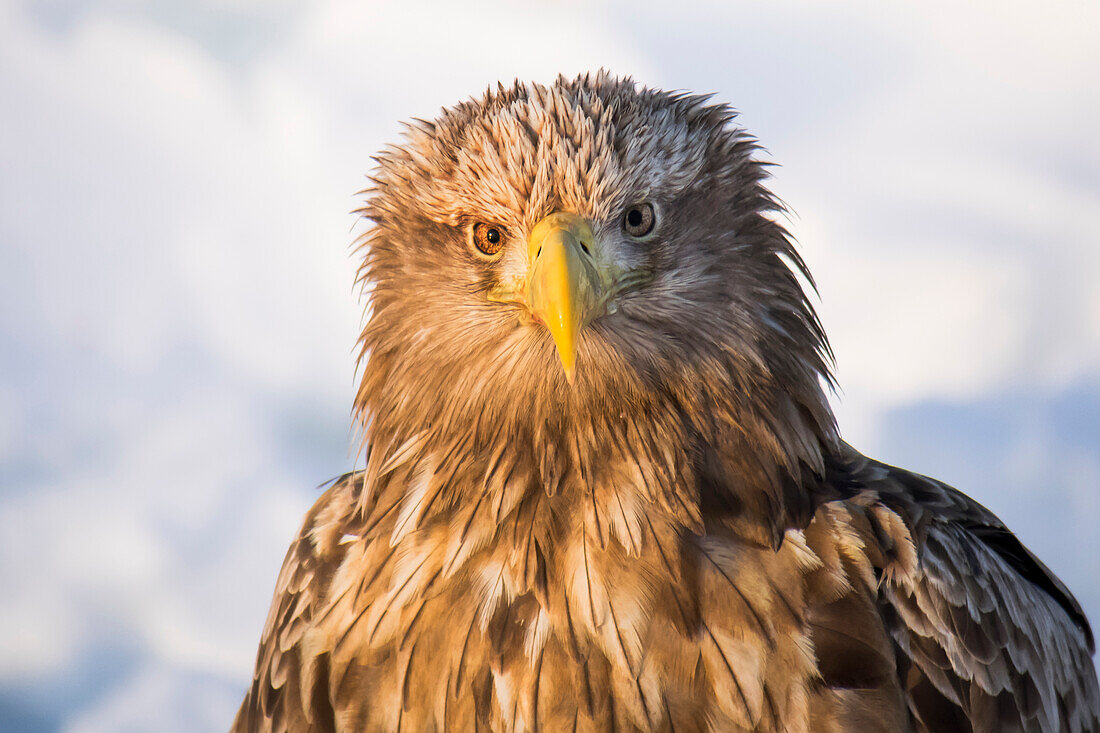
(492, 236)
(634, 218)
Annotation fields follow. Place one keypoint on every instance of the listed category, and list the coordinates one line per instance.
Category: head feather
(718, 358)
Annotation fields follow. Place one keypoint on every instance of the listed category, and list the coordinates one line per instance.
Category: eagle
(602, 486)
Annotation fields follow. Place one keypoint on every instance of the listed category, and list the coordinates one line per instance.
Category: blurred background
(177, 312)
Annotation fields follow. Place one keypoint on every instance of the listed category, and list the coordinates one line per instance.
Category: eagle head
(571, 266)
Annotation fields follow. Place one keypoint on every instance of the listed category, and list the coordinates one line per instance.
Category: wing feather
(983, 626)
(290, 686)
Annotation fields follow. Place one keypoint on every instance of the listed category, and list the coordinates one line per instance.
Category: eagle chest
(638, 625)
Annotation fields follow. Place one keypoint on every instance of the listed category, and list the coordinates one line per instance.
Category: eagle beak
(564, 289)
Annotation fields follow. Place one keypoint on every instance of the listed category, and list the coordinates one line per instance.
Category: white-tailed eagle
(604, 489)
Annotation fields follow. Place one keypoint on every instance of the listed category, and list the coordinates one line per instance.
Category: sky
(178, 316)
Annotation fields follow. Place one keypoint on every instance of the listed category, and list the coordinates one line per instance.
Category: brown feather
(678, 540)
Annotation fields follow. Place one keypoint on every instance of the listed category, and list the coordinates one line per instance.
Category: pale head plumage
(717, 317)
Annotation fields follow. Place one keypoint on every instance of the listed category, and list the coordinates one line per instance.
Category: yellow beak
(564, 288)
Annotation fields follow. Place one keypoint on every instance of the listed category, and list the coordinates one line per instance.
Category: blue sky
(177, 316)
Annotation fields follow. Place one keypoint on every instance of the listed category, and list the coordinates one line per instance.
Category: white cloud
(161, 698)
(168, 525)
(946, 215)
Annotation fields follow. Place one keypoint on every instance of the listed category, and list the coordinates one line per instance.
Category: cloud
(161, 698)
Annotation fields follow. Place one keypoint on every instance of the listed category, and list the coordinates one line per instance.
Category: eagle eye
(488, 239)
(638, 220)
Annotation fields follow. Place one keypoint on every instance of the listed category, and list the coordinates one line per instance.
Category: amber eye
(488, 239)
(638, 220)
